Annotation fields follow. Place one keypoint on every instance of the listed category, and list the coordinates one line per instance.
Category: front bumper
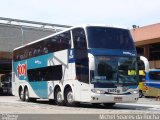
(110, 98)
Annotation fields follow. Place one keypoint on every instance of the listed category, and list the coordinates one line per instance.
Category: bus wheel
(69, 98)
(108, 104)
(26, 95)
(58, 97)
(21, 95)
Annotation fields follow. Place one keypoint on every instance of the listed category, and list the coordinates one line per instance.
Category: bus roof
(83, 26)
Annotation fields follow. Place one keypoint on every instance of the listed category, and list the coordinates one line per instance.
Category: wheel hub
(26, 95)
(70, 97)
(59, 97)
(21, 94)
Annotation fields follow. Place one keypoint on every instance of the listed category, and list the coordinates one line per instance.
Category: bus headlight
(97, 91)
(135, 92)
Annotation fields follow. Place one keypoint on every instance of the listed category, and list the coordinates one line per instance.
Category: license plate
(117, 99)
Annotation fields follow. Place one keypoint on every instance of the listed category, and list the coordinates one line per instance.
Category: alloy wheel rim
(27, 95)
(70, 97)
(21, 94)
(59, 97)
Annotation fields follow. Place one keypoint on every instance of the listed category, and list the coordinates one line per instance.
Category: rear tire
(58, 97)
(26, 95)
(69, 98)
(21, 95)
(27, 98)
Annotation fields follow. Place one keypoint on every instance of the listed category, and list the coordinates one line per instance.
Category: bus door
(81, 61)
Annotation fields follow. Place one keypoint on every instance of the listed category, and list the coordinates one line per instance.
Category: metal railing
(42, 24)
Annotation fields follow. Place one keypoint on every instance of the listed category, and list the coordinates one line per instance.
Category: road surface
(11, 105)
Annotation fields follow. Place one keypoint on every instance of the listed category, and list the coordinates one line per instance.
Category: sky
(74, 12)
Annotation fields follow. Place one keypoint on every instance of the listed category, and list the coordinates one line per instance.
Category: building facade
(147, 41)
(14, 33)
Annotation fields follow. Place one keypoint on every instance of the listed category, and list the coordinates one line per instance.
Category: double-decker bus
(89, 63)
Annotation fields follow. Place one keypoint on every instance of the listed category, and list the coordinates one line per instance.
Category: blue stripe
(40, 88)
(149, 82)
(35, 62)
(112, 52)
(38, 62)
(71, 56)
(155, 85)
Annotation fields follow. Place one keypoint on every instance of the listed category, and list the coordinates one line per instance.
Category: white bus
(94, 64)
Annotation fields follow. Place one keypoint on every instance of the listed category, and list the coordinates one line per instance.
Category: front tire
(26, 95)
(69, 98)
(58, 97)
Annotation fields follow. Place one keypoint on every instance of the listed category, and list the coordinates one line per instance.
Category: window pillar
(146, 51)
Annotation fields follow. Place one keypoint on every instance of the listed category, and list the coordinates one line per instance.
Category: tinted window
(110, 71)
(109, 38)
(82, 70)
(53, 44)
(79, 38)
(45, 73)
(81, 55)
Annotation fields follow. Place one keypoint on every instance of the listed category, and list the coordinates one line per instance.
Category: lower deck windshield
(110, 71)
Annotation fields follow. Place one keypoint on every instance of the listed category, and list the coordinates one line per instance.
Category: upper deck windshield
(109, 38)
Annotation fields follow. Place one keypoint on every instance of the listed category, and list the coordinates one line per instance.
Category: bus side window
(81, 55)
(26, 53)
(79, 39)
(45, 74)
(30, 53)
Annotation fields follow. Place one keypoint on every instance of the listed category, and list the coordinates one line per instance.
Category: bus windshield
(114, 70)
(109, 38)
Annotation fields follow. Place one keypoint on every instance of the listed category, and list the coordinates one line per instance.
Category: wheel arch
(25, 87)
(67, 87)
(57, 87)
(68, 91)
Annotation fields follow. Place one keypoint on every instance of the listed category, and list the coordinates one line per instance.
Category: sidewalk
(148, 101)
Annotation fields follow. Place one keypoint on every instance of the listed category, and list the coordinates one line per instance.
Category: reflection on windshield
(105, 70)
(127, 70)
(121, 70)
